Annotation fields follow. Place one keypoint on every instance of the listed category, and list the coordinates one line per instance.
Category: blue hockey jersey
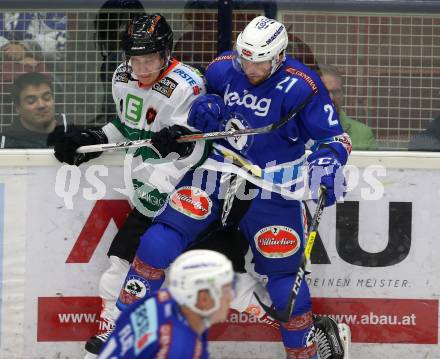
(154, 328)
(278, 155)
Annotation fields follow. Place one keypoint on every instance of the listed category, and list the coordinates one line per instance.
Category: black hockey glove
(165, 141)
(65, 148)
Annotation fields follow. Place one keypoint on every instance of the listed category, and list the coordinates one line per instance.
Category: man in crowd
(36, 125)
(361, 135)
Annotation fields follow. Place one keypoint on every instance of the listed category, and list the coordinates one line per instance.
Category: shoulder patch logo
(186, 76)
(221, 58)
(133, 108)
(165, 86)
(304, 76)
(196, 90)
(121, 77)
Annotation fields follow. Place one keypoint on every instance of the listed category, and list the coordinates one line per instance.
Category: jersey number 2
(329, 109)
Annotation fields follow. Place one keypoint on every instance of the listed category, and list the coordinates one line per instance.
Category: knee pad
(160, 245)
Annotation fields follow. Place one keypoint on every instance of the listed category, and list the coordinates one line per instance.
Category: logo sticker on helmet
(192, 202)
(246, 52)
(273, 37)
(277, 241)
(150, 30)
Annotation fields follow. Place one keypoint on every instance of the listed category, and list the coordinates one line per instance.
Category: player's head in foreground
(147, 44)
(261, 48)
(201, 281)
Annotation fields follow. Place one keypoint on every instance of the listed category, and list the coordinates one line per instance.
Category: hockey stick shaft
(200, 136)
(186, 138)
(284, 315)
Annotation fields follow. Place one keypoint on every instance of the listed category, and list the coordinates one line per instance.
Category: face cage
(166, 54)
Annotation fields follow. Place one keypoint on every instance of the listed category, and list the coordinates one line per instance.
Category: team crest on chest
(238, 122)
(151, 115)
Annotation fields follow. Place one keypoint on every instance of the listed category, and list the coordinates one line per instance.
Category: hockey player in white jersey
(153, 93)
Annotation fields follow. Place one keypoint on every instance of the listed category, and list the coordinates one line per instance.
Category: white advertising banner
(375, 263)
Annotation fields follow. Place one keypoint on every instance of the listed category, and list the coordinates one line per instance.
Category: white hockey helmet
(198, 270)
(263, 39)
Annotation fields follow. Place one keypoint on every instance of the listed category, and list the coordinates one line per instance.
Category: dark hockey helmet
(146, 34)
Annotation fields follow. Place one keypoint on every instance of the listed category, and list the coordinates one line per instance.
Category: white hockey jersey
(142, 111)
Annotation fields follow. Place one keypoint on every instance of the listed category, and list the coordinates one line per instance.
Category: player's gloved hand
(65, 148)
(165, 141)
(326, 170)
(206, 113)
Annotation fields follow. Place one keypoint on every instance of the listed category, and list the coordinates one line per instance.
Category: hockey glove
(326, 170)
(165, 141)
(65, 149)
(206, 113)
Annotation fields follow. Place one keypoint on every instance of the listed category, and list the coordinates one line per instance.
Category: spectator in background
(197, 44)
(427, 140)
(17, 59)
(29, 42)
(42, 33)
(361, 135)
(36, 125)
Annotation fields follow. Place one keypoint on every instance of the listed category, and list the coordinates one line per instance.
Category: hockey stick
(232, 132)
(284, 315)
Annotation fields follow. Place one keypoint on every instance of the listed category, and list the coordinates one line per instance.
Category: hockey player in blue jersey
(255, 181)
(173, 322)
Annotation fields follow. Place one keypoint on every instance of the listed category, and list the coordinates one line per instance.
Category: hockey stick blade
(283, 316)
(200, 136)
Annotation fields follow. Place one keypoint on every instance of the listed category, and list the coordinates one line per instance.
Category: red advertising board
(372, 320)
